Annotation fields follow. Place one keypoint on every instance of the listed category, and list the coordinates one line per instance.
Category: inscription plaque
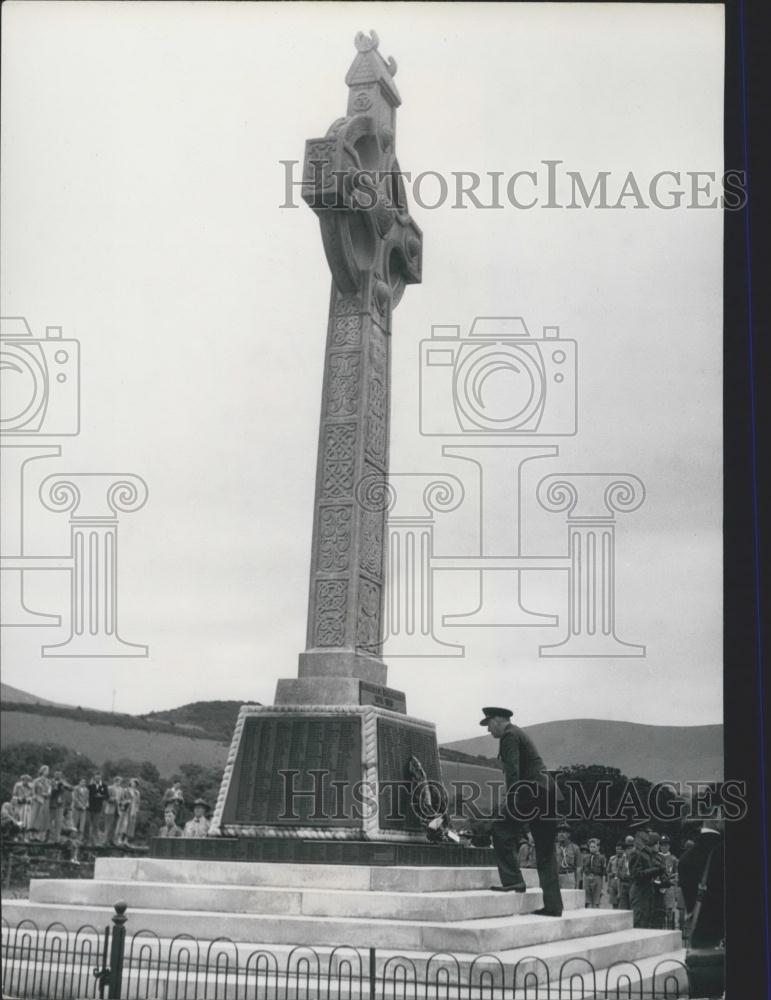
(383, 697)
(397, 741)
(296, 770)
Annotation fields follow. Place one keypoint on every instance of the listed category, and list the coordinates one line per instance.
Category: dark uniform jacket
(594, 864)
(568, 857)
(522, 762)
(644, 864)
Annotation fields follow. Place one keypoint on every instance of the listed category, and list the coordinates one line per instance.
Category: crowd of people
(642, 875)
(173, 803)
(48, 809)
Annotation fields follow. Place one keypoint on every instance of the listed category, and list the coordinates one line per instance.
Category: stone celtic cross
(351, 180)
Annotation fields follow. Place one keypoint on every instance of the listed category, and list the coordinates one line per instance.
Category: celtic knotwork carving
(339, 443)
(375, 435)
(368, 620)
(371, 542)
(335, 541)
(373, 492)
(343, 396)
(331, 601)
(347, 331)
(362, 101)
(319, 162)
(346, 305)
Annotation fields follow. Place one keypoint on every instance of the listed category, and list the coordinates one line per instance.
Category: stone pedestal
(334, 772)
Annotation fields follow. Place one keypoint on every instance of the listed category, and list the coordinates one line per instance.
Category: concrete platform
(473, 935)
(406, 914)
(430, 906)
(376, 878)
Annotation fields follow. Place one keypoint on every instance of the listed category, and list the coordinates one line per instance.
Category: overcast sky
(141, 192)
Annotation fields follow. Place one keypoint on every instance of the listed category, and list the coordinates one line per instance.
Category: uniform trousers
(507, 834)
(643, 899)
(592, 890)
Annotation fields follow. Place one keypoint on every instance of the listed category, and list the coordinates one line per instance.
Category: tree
(604, 801)
(27, 758)
(199, 782)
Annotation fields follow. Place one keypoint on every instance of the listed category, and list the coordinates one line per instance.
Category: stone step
(426, 906)
(378, 878)
(623, 963)
(474, 936)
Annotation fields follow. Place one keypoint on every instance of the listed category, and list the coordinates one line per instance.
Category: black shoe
(520, 887)
(546, 913)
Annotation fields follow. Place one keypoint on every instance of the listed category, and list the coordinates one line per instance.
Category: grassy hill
(200, 732)
(197, 733)
(658, 753)
(19, 697)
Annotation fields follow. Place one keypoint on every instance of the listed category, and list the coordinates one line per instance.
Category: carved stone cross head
(352, 181)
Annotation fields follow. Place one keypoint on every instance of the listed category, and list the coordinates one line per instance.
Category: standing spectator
(584, 848)
(526, 853)
(644, 868)
(135, 798)
(98, 794)
(122, 808)
(68, 820)
(40, 818)
(170, 828)
(666, 897)
(614, 875)
(56, 805)
(198, 826)
(568, 858)
(594, 868)
(174, 798)
(625, 879)
(80, 809)
(21, 797)
(115, 790)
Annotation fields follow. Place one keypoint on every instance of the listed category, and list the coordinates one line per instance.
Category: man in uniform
(594, 874)
(666, 897)
(568, 858)
(522, 763)
(198, 826)
(644, 869)
(624, 878)
(614, 877)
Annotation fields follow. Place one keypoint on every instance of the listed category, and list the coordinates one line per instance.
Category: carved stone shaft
(352, 181)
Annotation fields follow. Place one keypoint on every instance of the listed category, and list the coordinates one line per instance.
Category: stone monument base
(325, 772)
(278, 850)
